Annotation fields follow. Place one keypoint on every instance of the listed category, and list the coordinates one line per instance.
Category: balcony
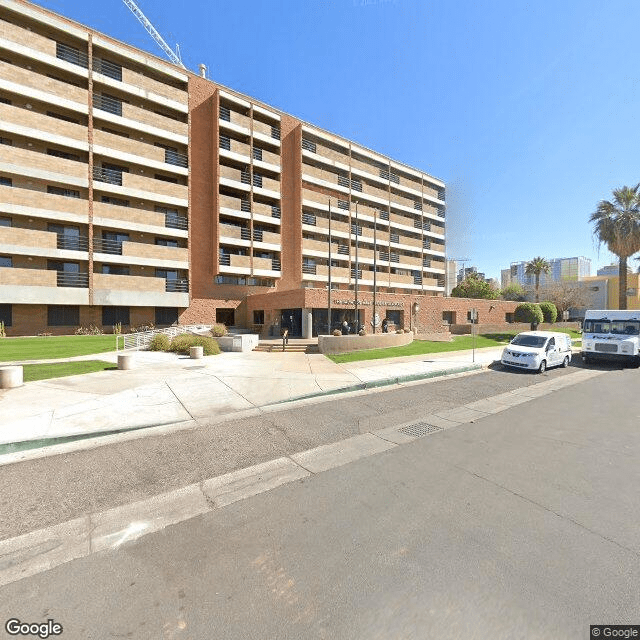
(179, 285)
(72, 243)
(41, 204)
(54, 169)
(309, 269)
(69, 279)
(139, 291)
(110, 176)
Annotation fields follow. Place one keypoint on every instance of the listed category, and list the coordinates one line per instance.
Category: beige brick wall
(41, 122)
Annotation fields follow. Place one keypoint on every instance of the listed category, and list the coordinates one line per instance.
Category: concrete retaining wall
(346, 344)
(465, 329)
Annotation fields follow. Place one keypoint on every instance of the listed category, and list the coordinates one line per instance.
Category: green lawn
(33, 372)
(420, 347)
(51, 347)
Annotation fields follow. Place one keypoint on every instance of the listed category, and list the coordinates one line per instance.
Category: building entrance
(225, 317)
(292, 319)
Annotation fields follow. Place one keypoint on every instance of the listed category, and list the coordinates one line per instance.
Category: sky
(528, 111)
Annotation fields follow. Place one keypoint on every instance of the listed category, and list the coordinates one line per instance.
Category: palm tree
(617, 224)
(536, 267)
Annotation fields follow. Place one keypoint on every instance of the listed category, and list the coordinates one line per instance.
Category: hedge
(528, 312)
(549, 311)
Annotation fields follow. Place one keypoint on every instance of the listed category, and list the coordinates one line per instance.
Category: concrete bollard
(196, 352)
(11, 377)
(125, 361)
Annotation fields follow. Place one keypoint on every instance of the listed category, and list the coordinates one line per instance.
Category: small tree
(514, 292)
(549, 312)
(568, 295)
(528, 312)
(475, 287)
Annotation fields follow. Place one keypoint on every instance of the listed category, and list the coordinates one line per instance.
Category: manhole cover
(419, 429)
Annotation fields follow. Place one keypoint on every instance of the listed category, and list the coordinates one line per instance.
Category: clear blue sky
(527, 110)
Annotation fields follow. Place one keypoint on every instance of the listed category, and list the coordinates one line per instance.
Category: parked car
(538, 350)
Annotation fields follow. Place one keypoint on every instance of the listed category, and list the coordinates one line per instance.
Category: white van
(538, 350)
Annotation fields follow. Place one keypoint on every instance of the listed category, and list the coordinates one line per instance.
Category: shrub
(160, 342)
(549, 311)
(91, 330)
(181, 344)
(528, 312)
(337, 332)
(117, 328)
(3, 333)
(142, 327)
(218, 330)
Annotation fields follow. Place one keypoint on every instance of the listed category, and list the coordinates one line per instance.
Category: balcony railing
(353, 274)
(417, 279)
(256, 153)
(179, 285)
(225, 114)
(72, 243)
(441, 195)
(275, 264)
(275, 212)
(175, 221)
(426, 244)
(225, 143)
(394, 237)
(245, 234)
(275, 132)
(343, 249)
(225, 259)
(356, 230)
(72, 55)
(309, 269)
(308, 145)
(343, 181)
(111, 176)
(441, 213)
(384, 215)
(245, 206)
(343, 204)
(176, 158)
(257, 235)
(417, 205)
(385, 175)
(308, 218)
(245, 177)
(104, 245)
(356, 185)
(106, 68)
(426, 262)
(68, 279)
(107, 103)
(395, 257)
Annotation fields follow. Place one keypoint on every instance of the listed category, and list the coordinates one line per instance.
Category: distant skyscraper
(562, 269)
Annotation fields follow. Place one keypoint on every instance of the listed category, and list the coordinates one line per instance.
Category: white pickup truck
(611, 335)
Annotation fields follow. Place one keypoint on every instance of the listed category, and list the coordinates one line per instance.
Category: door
(552, 353)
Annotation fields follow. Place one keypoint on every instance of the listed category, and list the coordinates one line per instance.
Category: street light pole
(375, 267)
(329, 283)
(356, 274)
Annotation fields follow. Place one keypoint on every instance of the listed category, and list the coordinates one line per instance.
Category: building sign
(365, 303)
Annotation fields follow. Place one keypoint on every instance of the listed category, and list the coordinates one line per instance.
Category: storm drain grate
(419, 429)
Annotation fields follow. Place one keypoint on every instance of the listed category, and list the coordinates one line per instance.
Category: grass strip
(421, 347)
(32, 372)
(52, 347)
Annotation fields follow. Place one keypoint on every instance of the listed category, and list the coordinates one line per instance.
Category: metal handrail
(72, 55)
(142, 339)
(69, 279)
(111, 176)
(176, 158)
(225, 259)
(257, 235)
(175, 221)
(309, 268)
(275, 133)
(72, 243)
(107, 68)
(309, 146)
(180, 285)
(308, 218)
(245, 206)
(245, 234)
(106, 103)
(275, 212)
(275, 264)
(104, 245)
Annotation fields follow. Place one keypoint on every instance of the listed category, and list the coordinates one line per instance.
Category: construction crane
(174, 56)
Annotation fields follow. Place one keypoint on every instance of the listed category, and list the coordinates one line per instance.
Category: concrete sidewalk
(165, 389)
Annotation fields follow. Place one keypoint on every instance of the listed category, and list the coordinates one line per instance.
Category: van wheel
(543, 367)
(565, 362)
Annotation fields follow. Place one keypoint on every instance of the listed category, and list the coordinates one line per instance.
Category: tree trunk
(622, 282)
(537, 287)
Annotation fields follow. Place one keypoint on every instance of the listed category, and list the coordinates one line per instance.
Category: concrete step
(269, 347)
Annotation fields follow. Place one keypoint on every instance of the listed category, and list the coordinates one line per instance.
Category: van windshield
(529, 341)
(619, 327)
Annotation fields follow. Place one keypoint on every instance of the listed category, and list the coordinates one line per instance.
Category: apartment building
(135, 192)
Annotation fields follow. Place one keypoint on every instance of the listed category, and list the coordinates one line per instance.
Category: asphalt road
(42, 492)
(520, 525)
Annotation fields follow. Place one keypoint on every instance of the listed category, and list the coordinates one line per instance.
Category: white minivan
(538, 350)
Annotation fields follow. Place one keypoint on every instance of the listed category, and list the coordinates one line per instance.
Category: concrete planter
(346, 344)
(196, 352)
(242, 342)
(126, 361)
(11, 377)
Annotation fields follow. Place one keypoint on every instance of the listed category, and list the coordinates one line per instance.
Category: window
(6, 314)
(60, 116)
(166, 242)
(59, 191)
(63, 154)
(173, 219)
(166, 315)
(167, 274)
(6, 182)
(117, 201)
(6, 261)
(395, 317)
(63, 316)
(116, 269)
(115, 315)
(5, 222)
(258, 316)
